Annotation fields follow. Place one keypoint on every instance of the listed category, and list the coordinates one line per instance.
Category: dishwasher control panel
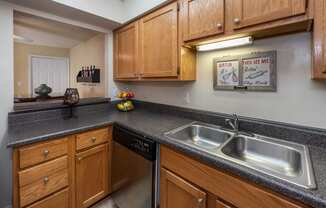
(141, 145)
(135, 142)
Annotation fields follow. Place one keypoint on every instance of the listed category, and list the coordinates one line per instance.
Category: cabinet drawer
(56, 200)
(42, 180)
(35, 154)
(92, 138)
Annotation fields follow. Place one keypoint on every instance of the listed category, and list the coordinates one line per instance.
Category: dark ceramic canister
(43, 91)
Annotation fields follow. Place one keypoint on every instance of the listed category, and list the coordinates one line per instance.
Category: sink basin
(285, 160)
(278, 158)
(203, 136)
(261, 154)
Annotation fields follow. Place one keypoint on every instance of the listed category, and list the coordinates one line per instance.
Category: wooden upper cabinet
(202, 18)
(176, 192)
(319, 67)
(92, 176)
(252, 12)
(159, 43)
(126, 51)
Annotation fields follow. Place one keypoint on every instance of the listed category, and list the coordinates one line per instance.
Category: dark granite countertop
(153, 125)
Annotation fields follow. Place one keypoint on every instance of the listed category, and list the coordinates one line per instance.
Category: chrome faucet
(234, 124)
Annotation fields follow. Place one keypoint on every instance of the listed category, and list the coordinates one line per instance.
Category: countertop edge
(214, 162)
(57, 135)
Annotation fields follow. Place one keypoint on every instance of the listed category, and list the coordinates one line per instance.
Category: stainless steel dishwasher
(134, 170)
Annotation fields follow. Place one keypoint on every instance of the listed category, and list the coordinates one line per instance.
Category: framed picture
(259, 71)
(253, 72)
(226, 73)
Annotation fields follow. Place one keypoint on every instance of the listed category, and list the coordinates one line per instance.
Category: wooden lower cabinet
(57, 200)
(220, 204)
(176, 192)
(186, 182)
(91, 175)
(69, 172)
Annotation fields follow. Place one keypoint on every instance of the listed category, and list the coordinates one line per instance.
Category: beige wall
(91, 52)
(21, 63)
(298, 99)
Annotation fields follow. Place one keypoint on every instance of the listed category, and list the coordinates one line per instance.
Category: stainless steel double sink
(281, 159)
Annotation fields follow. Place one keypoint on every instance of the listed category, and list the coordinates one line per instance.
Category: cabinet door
(176, 192)
(220, 204)
(126, 51)
(202, 18)
(159, 42)
(92, 175)
(319, 70)
(251, 12)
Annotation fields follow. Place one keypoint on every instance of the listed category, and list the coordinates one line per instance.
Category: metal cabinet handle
(46, 153)
(200, 201)
(46, 180)
(236, 20)
(93, 139)
(80, 158)
(219, 25)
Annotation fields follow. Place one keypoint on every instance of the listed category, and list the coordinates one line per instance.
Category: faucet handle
(227, 121)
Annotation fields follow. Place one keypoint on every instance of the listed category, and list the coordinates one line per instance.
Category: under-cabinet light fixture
(226, 44)
(19, 38)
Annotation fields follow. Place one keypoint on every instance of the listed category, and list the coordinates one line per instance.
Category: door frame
(30, 76)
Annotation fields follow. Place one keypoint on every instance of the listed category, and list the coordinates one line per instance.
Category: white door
(51, 71)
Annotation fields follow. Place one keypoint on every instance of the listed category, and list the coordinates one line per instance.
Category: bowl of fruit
(126, 104)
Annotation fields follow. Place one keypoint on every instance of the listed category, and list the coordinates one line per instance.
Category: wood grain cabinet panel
(159, 43)
(73, 173)
(319, 67)
(202, 18)
(220, 204)
(126, 51)
(252, 12)
(92, 138)
(92, 175)
(57, 200)
(35, 154)
(42, 180)
(230, 189)
(176, 192)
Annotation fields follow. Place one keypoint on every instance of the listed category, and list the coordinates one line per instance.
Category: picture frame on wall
(226, 73)
(254, 72)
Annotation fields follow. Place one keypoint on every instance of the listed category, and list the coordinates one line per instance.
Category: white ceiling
(49, 32)
(69, 12)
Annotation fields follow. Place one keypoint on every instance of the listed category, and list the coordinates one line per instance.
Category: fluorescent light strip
(22, 39)
(226, 44)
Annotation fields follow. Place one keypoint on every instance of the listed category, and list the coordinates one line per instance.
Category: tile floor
(105, 203)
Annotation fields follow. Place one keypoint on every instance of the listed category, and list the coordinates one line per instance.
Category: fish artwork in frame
(251, 72)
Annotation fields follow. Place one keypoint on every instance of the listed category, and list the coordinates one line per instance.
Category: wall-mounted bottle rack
(89, 74)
